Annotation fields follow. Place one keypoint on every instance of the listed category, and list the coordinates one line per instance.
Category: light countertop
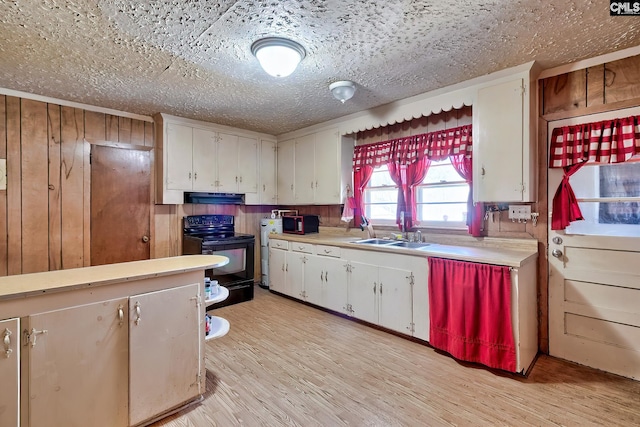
(509, 252)
(34, 283)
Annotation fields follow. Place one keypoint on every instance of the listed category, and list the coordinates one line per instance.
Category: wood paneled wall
(45, 210)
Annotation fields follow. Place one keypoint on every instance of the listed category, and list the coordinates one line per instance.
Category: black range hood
(214, 198)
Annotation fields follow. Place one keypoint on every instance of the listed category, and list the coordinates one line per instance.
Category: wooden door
(363, 291)
(77, 369)
(594, 315)
(10, 373)
(395, 308)
(120, 204)
(165, 337)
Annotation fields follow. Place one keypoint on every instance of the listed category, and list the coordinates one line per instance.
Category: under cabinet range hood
(214, 198)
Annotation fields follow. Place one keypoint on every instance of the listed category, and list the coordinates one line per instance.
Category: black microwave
(300, 224)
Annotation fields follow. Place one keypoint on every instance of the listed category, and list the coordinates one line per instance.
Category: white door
(247, 165)
(314, 271)
(327, 167)
(228, 176)
(304, 170)
(179, 146)
(267, 188)
(77, 366)
(205, 164)
(165, 336)
(294, 270)
(334, 292)
(10, 373)
(594, 278)
(286, 170)
(363, 291)
(395, 311)
(277, 276)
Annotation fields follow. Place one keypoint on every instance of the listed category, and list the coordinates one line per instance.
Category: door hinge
(198, 300)
(411, 279)
(411, 327)
(30, 336)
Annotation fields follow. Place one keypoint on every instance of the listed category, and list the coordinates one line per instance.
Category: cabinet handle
(326, 276)
(482, 171)
(327, 251)
(189, 175)
(287, 267)
(120, 315)
(282, 267)
(321, 276)
(138, 317)
(34, 333)
(380, 288)
(291, 187)
(300, 247)
(7, 343)
(195, 176)
(240, 178)
(316, 184)
(236, 179)
(264, 187)
(374, 287)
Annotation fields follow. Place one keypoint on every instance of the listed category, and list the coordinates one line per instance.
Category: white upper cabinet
(203, 157)
(319, 171)
(503, 137)
(268, 190)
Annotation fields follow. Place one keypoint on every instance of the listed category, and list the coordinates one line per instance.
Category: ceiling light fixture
(278, 57)
(343, 90)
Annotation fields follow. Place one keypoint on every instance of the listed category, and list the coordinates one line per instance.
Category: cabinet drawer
(302, 247)
(278, 244)
(333, 251)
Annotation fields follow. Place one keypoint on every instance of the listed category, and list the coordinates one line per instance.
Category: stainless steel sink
(374, 242)
(410, 245)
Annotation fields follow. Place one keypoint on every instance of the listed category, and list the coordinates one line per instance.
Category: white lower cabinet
(10, 373)
(325, 281)
(165, 335)
(381, 295)
(286, 271)
(77, 368)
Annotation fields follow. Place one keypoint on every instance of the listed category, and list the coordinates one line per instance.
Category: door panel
(77, 370)
(276, 270)
(10, 373)
(179, 149)
(334, 293)
(228, 162)
(395, 299)
(205, 169)
(363, 291)
(165, 340)
(120, 204)
(247, 165)
(594, 318)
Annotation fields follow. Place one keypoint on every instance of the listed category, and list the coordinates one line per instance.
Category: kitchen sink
(374, 242)
(410, 245)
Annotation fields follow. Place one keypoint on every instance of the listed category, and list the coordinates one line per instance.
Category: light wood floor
(284, 363)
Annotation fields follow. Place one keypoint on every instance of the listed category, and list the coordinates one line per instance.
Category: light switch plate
(3, 174)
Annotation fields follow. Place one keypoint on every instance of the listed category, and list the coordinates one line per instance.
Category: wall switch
(519, 212)
(3, 174)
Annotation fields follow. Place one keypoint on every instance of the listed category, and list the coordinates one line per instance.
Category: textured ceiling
(193, 59)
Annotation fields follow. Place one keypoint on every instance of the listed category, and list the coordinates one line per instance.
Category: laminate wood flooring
(287, 364)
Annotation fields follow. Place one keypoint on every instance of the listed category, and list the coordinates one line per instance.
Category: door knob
(557, 240)
(556, 253)
(145, 239)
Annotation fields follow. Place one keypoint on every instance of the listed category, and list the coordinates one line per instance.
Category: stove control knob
(145, 239)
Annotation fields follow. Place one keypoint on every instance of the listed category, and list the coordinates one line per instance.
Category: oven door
(240, 266)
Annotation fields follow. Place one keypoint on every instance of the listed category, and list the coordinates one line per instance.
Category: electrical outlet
(3, 174)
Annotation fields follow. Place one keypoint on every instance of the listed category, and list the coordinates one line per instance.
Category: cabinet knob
(145, 239)
(7, 342)
(138, 317)
(482, 171)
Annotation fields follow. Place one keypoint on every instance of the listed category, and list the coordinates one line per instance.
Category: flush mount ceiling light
(278, 57)
(342, 90)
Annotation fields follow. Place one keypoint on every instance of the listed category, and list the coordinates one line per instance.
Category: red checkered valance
(436, 146)
(608, 141)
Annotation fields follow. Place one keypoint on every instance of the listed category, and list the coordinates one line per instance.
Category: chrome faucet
(402, 225)
(418, 236)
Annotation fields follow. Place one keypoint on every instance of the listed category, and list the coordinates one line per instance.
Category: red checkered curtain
(608, 141)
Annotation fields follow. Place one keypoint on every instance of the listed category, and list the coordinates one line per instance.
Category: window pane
(608, 219)
(387, 195)
(381, 211)
(442, 173)
(380, 177)
(441, 194)
(456, 212)
(615, 180)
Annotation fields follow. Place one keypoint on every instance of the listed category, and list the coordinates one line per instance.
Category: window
(441, 198)
(609, 198)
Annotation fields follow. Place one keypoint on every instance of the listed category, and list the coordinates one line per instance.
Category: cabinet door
(395, 301)
(498, 142)
(10, 373)
(314, 271)
(77, 366)
(363, 291)
(179, 147)
(304, 171)
(277, 276)
(268, 181)
(247, 165)
(164, 351)
(294, 269)
(205, 169)
(228, 163)
(334, 291)
(286, 169)
(327, 168)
